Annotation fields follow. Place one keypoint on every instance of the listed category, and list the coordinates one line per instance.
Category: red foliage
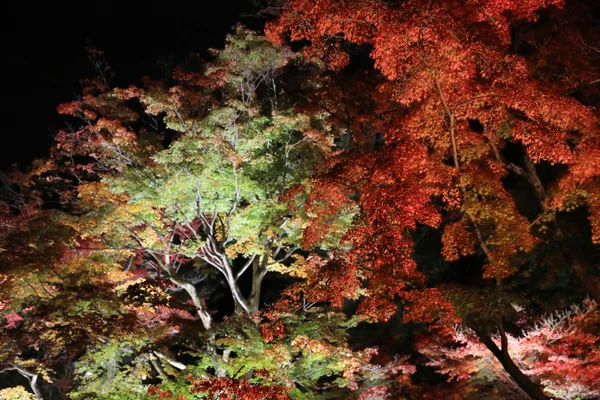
(214, 80)
(445, 63)
(560, 350)
(12, 320)
(162, 394)
(232, 389)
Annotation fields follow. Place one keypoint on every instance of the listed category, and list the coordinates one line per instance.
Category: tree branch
(463, 188)
(175, 363)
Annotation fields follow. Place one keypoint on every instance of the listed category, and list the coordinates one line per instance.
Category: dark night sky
(43, 54)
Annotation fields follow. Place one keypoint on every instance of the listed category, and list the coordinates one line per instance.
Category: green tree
(229, 190)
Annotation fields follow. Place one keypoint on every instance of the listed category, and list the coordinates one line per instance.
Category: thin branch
(287, 255)
(450, 115)
(471, 100)
(245, 267)
(236, 200)
(175, 363)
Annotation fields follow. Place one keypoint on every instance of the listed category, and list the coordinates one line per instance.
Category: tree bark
(259, 270)
(174, 363)
(31, 377)
(158, 368)
(191, 290)
(239, 301)
(35, 387)
(187, 286)
(532, 390)
(534, 179)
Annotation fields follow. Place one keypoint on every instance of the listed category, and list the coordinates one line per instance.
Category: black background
(44, 55)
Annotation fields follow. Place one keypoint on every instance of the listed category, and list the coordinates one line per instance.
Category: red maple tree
(464, 96)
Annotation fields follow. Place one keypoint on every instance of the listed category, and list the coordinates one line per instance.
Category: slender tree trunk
(532, 390)
(33, 381)
(237, 307)
(259, 270)
(238, 299)
(249, 304)
(211, 349)
(159, 369)
(35, 387)
(191, 290)
(534, 179)
(240, 303)
(174, 363)
(188, 287)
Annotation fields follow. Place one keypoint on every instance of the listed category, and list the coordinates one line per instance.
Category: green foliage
(313, 354)
(112, 371)
(233, 159)
(230, 187)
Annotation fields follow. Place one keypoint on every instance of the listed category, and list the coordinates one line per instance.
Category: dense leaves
(405, 207)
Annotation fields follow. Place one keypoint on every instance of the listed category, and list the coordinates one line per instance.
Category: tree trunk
(158, 368)
(174, 363)
(191, 290)
(532, 390)
(32, 378)
(240, 303)
(259, 270)
(534, 179)
(35, 387)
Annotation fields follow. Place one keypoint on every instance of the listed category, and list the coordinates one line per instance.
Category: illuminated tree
(559, 350)
(418, 167)
(464, 97)
(213, 195)
(160, 190)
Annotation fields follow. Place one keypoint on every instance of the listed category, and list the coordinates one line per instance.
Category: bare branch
(245, 267)
(175, 363)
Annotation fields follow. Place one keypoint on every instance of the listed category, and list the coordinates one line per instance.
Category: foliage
(16, 393)
(311, 360)
(550, 348)
(470, 113)
(213, 195)
(357, 219)
(163, 190)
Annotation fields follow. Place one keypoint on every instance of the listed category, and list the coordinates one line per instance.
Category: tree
(417, 184)
(53, 301)
(213, 194)
(549, 348)
(160, 190)
(308, 358)
(466, 96)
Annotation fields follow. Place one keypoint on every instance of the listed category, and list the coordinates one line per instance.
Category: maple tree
(464, 96)
(58, 297)
(551, 348)
(418, 179)
(210, 179)
(213, 194)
